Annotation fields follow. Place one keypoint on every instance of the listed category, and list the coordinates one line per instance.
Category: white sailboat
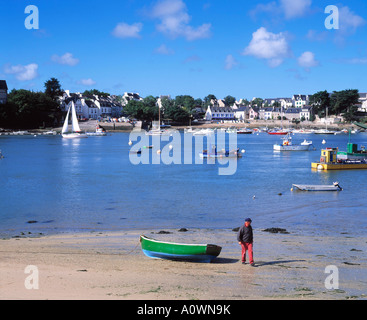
(76, 132)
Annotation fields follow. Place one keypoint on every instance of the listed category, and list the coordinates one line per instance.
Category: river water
(92, 185)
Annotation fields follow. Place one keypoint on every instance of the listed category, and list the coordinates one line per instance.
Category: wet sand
(111, 265)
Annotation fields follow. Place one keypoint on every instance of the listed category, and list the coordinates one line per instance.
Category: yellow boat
(329, 161)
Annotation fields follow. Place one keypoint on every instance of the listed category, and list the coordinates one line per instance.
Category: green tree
(141, 110)
(257, 102)
(209, 98)
(342, 101)
(32, 109)
(229, 101)
(95, 92)
(177, 114)
(187, 102)
(319, 102)
(53, 89)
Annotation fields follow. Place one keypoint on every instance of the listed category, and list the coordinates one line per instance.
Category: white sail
(75, 124)
(65, 126)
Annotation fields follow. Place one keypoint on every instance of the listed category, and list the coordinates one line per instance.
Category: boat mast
(326, 118)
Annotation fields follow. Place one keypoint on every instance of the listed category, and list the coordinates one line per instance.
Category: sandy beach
(111, 265)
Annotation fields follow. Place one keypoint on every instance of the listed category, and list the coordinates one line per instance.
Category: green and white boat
(179, 251)
(353, 153)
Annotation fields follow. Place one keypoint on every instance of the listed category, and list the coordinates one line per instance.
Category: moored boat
(179, 251)
(278, 132)
(287, 145)
(329, 161)
(76, 132)
(309, 187)
(244, 131)
(352, 153)
(213, 153)
(99, 132)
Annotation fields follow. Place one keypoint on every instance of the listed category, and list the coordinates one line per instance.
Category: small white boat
(308, 187)
(287, 145)
(324, 131)
(203, 132)
(244, 131)
(221, 153)
(50, 133)
(76, 132)
(99, 132)
(156, 132)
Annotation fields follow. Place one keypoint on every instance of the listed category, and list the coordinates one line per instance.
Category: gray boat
(309, 187)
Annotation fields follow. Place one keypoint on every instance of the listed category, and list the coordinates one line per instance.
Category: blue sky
(241, 48)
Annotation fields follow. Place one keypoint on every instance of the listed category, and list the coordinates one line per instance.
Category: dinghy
(179, 251)
(308, 187)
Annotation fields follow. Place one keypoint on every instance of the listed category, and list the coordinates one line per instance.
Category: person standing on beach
(245, 238)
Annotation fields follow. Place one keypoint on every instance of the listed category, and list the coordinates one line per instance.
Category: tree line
(29, 110)
(342, 102)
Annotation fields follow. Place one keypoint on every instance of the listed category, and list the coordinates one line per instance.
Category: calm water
(90, 184)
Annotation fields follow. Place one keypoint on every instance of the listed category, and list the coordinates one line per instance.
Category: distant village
(294, 109)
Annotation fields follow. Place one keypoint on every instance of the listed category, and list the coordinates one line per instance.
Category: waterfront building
(242, 113)
(219, 113)
(362, 107)
(92, 106)
(3, 92)
(306, 113)
(300, 100)
(127, 96)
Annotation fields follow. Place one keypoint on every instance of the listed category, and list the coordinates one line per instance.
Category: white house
(219, 113)
(241, 113)
(363, 102)
(91, 107)
(305, 113)
(300, 100)
(130, 96)
(266, 113)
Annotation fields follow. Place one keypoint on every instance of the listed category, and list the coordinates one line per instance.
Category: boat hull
(361, 156)
(338, 166)
(302, 187)
(74, 135)
(278, 147)
(278, 132)
(178, 251)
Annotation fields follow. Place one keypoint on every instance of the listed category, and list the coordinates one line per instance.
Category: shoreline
(90, 126)
(111, 265)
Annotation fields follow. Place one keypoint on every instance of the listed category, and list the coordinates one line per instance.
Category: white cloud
(174, 21)
(163, 49)
(307, 60)
(124, 30)
(289, 8)
(230, 62)
(295, 8)
(87, 82)
(66, 59)
(356, 61)
(269, 46)
(23, 73)
(349, 21)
